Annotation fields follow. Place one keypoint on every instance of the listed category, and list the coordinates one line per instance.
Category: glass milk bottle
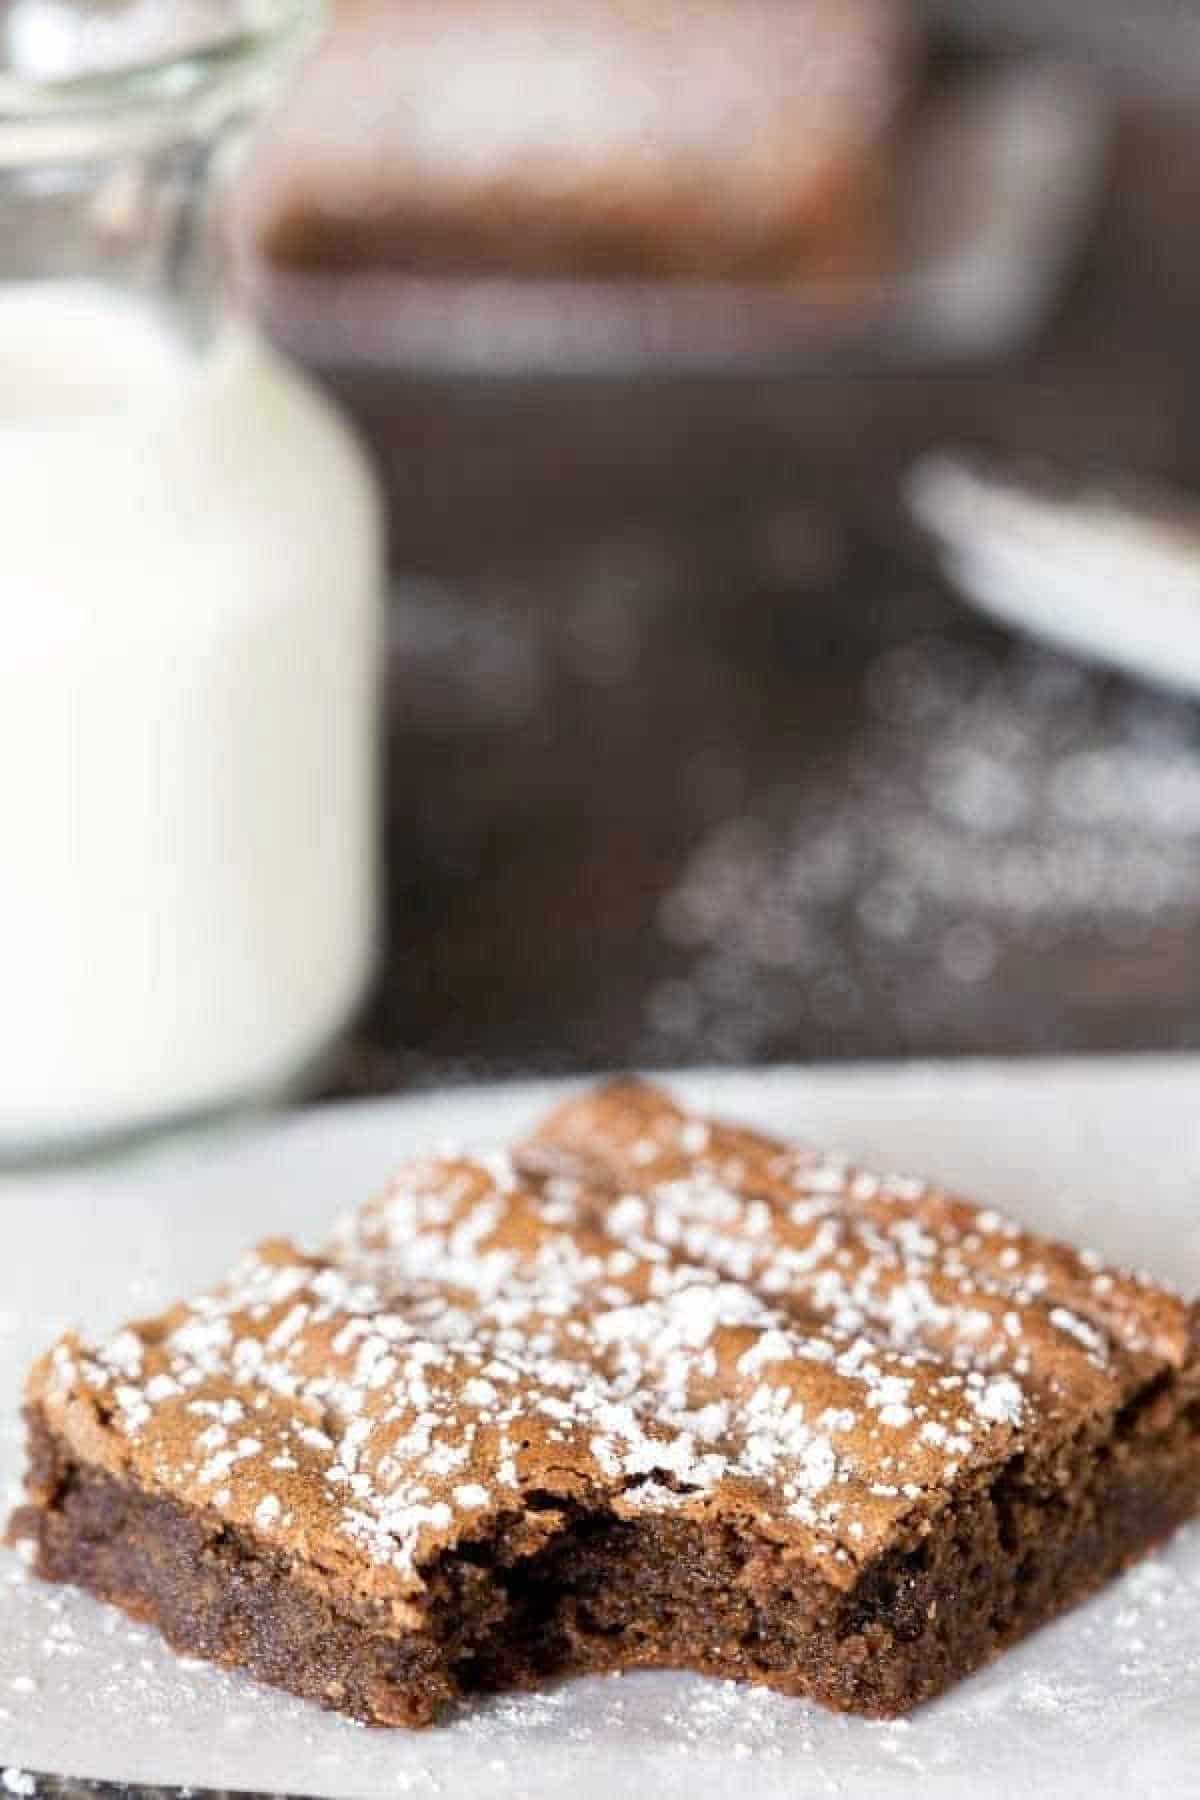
(190, 626)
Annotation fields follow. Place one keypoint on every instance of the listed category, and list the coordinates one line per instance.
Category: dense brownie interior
(651, 1390)
(607, 1592)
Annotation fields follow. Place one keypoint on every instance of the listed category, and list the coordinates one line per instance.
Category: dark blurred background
(692, 755)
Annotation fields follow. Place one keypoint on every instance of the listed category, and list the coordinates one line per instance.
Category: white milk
(189, 648)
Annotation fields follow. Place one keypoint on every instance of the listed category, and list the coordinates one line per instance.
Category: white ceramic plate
(1104, 1701)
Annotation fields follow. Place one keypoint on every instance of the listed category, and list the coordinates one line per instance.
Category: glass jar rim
(179, 89)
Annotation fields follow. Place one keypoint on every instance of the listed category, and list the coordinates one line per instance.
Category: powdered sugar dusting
(1111, 1685)
(988, 807)
(685, 1316)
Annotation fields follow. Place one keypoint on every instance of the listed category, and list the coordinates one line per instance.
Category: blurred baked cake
(590, 138)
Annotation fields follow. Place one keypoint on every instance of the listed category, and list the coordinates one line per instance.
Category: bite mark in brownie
(653, 1391)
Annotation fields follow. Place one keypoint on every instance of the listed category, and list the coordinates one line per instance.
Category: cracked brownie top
(638, 1309)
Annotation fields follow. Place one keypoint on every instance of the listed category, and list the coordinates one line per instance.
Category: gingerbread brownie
(648, 1391)
(593, 138)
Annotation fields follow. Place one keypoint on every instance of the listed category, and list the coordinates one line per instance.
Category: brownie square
(636, 139)
(648, 1391)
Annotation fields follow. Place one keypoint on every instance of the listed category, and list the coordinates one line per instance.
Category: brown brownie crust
(605, 1593)
(654, 1392)
(590, 138)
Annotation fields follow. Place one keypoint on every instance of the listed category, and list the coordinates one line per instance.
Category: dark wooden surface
(627, 613)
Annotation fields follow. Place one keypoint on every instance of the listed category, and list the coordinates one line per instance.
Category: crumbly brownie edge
(659, 1591)
(215, 1593)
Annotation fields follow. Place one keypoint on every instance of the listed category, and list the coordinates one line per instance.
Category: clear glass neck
(118, 120)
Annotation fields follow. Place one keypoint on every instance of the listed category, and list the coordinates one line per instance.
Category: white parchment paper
(1105, 1701)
